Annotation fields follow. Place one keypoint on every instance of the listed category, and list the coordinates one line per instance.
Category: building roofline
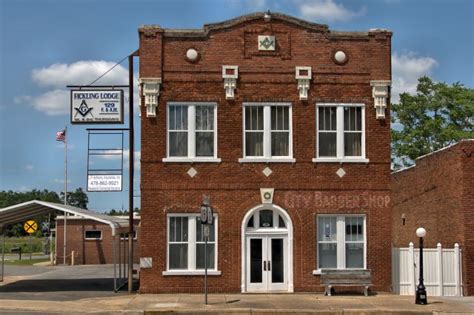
(209, 27)
(432, 153)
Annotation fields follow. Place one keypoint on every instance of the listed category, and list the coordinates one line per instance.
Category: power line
(100, 77)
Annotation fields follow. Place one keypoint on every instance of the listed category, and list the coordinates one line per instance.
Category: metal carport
(27, 210)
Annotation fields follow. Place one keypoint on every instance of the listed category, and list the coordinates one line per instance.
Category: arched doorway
(267, 250)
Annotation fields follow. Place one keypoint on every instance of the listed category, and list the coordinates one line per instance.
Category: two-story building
(285, 124)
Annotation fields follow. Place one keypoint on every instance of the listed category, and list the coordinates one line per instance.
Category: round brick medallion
(192, 55)
(340, 57)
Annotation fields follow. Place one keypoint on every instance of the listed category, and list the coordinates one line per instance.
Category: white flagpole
(65, 192)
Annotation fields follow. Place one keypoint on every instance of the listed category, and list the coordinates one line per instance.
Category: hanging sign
(104, 183)
(97, 106)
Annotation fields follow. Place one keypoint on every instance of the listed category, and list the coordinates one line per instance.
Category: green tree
(10, 198)
(77, 198)
(438, 115)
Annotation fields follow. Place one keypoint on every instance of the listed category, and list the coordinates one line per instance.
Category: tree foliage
(77, 198)
(438, 115)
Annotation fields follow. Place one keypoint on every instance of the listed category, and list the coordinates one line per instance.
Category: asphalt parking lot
(57, 283)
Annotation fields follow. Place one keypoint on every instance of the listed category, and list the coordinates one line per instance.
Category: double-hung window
(267, 132)
(341, 242)
(192, 132)
(186, 245)
(340, 133)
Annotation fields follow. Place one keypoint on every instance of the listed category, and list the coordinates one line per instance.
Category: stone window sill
(191, 273)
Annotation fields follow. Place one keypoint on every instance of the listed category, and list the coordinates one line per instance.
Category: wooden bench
(346, 278)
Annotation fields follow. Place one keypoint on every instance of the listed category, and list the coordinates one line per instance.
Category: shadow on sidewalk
(50, 285)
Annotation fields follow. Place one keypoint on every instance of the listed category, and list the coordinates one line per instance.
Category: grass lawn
(24, 261)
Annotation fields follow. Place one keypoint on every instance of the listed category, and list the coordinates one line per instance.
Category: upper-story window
(192, 132)
(340, 133)
(267, 132)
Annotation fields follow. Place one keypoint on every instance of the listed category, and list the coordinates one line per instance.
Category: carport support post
(3, 254)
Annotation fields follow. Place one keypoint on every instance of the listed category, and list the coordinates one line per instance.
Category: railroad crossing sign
(30, 226)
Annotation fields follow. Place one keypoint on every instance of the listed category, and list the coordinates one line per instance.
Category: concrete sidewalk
(241, 304)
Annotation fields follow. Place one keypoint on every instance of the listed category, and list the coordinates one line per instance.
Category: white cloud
(60, 181)
(126, 155)
(52, 103)
(22, 99)
(56, 101)
(257, 4)
(29, 167)
(328, 10)
(59, 75)
(406, 69)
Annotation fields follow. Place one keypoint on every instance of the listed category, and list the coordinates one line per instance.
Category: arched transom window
(266, 219)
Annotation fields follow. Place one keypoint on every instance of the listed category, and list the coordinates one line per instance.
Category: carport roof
(27, 210)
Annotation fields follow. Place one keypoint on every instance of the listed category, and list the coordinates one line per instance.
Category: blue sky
(46, 44)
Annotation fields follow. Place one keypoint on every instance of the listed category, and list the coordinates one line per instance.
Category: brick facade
(304, 188)
(438, 194)
(88, 252)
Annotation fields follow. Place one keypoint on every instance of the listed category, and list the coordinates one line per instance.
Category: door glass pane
(256, 260)
(355, 255)
(200, 248)
(178, 256)
(327, 255)
(277, 262)
(266, 218)
(250, 224)
(281, 222)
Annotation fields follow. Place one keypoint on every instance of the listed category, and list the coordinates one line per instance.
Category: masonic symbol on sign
(83, 109)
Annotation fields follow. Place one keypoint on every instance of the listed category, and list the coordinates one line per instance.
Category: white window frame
(191, 134)
(192, 270)
(267, 133)
(92, 238)
(341, 241)
(340, 157)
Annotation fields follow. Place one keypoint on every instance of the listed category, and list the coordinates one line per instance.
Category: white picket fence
(441, 268)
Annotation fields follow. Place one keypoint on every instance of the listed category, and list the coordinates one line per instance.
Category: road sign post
(30, 227)
(206, 221)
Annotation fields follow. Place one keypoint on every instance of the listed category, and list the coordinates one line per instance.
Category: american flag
(61, 135)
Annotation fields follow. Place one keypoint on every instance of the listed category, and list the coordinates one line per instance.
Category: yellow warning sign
(30, 226)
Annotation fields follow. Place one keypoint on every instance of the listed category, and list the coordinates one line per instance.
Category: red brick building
(91, 241)
(438, 194)
(285, 124)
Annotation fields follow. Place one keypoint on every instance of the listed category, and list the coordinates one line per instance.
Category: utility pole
(131, 149)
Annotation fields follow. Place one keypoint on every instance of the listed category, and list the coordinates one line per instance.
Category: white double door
(267, 263)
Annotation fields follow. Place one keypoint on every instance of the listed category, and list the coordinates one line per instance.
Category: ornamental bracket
(150, 88)
(380, 93)
(303, 75)
(230, 75)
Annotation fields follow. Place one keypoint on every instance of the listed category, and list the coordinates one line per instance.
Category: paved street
(88, 289)
(57, 283)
